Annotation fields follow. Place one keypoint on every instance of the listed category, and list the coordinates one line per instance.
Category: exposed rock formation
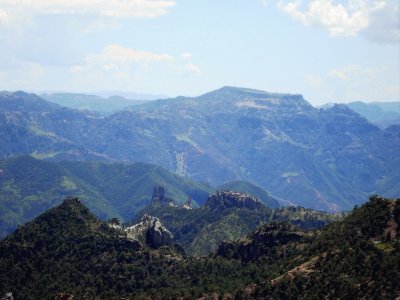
(159, 197)
(64, 296)
(8, 296)
(115, 223)
(151, 232)
(227, 199)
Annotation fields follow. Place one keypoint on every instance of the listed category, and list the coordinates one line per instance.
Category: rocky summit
(228, 199)
(151, 231)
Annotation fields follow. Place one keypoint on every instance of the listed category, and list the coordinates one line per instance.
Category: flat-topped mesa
(228, 199)
(245, 97)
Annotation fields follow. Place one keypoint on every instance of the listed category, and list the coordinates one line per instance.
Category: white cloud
(376, 19)
(3, 17)
(118, 63)
(354, 82)
(76, 69)
(193, 69)
(385, 24)
(119, 55)
(186, 55)
(352, 72)
(110, 8)
(314, 81)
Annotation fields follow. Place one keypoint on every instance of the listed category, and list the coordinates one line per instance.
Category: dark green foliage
(68, 250)
(251, 189)
(201, 230)
(29, 186)
(355, 258)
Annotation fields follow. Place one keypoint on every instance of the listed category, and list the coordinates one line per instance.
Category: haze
(329, 51)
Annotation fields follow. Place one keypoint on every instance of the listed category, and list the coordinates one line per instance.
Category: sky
(326, 50)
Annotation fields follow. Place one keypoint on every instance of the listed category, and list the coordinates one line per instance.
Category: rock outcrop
(151, 232)
(261, 241)
(228, 199)
(7, 296)
(159, 197)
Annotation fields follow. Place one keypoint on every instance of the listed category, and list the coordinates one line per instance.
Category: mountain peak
(150, 231)
(25, 102)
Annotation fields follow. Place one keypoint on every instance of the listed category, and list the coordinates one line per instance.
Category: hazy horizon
(326, 50)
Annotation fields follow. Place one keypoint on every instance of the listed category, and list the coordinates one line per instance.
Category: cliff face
(228, 199)
(151, 232)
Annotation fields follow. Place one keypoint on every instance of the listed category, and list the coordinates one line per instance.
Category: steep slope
(68, 251)
(277, 141)
(31, 125)
(359, 254)
(326, 159)
(228, 216)
(29, 186)
(24, 102)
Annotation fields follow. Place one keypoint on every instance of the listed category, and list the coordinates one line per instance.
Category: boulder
(151, 232)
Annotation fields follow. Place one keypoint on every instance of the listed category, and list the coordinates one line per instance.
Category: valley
(325, 159)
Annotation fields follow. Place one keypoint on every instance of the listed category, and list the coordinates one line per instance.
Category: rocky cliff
(227, 199)
(151, 232)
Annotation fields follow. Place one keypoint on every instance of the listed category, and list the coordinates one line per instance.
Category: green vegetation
(29, 186)
(225, 135)
(251, 189)
(68, 250)
(201, 230)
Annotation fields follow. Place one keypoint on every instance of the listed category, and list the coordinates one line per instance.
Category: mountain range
(326, 159)
(91, 102)
(67, 252)
(228, 215)
(382, 114)
(29, 186)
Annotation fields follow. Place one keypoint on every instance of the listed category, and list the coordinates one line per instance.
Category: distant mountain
(29, 186)
(91, 102)
(68, 252)
(251, 189)
(24, 102)
(382, 114)
(130, 95)
(228, 215)
(326, 159)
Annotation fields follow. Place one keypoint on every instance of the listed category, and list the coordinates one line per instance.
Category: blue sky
(329, 51)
